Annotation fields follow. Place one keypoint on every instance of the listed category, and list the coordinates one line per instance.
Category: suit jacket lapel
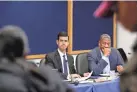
(67, 58)
(98, 53)
(110, 60)
(58, 60)
(69, 64)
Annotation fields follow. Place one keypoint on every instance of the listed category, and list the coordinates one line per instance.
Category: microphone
(73, 80)
(76, 82)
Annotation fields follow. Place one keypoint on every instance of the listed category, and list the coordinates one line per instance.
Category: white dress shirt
(61, 56)
(106, 70)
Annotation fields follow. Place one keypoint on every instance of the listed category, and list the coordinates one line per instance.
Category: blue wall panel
(43, 20)
(40, 20)
(87, 29)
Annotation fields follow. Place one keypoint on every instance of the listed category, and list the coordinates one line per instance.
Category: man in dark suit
(60, 60)
(104, 58)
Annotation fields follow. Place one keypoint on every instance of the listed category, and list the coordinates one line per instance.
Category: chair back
(82, 63)
(42, 61)
(123, 54)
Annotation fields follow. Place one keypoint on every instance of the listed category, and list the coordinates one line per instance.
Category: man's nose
(63, 42)
(106, 45)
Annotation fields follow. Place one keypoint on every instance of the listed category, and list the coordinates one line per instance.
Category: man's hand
(86, 74)
(106, 51)
(75, 76)
(120, 68)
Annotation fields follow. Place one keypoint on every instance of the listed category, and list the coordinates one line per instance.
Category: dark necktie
(65, 65)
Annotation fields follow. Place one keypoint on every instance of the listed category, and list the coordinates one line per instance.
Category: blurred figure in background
(17, 75)
(126, 12)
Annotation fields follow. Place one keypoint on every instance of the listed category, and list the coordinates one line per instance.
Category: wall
(40, 20)
(86, 28)
(43, 20)
(125, 39)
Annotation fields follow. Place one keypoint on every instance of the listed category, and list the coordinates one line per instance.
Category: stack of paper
(103, 79)
(84, 78)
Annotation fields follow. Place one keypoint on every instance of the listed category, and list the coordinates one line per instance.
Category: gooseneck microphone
(73, 80)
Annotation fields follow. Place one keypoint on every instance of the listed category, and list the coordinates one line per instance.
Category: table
(109, 86)
(83, 87)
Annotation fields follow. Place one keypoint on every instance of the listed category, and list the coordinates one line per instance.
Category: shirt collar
(60, 53)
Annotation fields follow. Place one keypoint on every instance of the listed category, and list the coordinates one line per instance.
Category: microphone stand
(75, 82)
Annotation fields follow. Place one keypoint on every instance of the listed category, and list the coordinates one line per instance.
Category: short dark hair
(14, 42)
(63, 34)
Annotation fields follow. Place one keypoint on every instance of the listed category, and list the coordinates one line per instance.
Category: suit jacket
(97, 64)
(53, 59)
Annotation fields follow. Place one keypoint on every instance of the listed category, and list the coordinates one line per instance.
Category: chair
(42, 61)
(82, 63)
(33, 63)
(123, 54)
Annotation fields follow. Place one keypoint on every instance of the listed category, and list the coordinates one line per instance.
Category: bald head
(14, 41)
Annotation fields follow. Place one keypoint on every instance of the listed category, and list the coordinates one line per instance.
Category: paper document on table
(85, 78)
(86, 81)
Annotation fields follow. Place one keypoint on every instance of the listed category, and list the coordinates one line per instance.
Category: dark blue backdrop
(40, 20)
(43, 20)
(87, 29)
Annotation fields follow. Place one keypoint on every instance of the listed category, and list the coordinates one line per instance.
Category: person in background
(126, 13)
(60, 60)
(16, 74)
(105, 58)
